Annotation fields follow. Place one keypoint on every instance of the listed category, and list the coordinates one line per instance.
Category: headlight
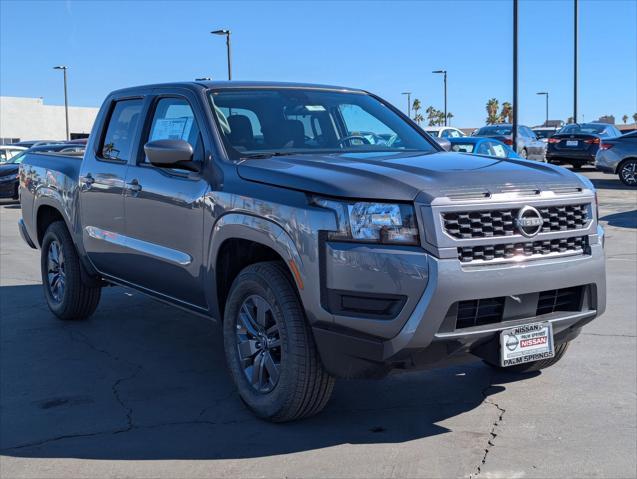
(387, 223)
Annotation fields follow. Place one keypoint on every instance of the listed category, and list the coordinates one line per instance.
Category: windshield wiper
(265, 155)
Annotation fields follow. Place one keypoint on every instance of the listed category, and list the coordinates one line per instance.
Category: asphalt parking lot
(140, 390)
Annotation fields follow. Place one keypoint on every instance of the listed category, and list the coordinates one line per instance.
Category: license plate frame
(572, 143)
(526, 343)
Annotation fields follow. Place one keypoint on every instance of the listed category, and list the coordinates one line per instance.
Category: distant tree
(449, 117)
(434, 116)
(506, 115)
(492, 111)
(415, 107)
(635, 117)
(625, 119)
(570, 120)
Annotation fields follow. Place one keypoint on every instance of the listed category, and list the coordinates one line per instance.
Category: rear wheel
(269, 346)
(628, 172)
(560, 350)
(524, 154)
(65, 293)
(577, 166)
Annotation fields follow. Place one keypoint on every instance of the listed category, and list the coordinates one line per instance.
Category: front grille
(566, 299)
(492, 223)
(467, 254)
(479, 312)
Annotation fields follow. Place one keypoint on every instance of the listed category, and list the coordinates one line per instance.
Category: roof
(241, 84)
(12, 147)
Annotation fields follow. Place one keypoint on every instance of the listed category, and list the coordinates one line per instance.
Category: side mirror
(171, 154)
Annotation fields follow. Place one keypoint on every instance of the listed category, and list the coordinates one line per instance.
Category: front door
(165, 208)
(102, 186)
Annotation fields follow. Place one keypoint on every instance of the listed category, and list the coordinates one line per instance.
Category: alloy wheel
(629, 173)
(258, 342)
(55, 271)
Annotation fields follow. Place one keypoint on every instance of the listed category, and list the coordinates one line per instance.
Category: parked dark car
(577, 144)
(482, 146)
(618, 156)
(528, 146)
(32, 143)
(9, 177)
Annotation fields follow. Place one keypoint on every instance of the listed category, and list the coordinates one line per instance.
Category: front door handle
(134, 187)
(89, 180)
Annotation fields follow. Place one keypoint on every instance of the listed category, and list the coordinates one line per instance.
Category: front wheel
(65, 293)
(628, 172)
(270, 350)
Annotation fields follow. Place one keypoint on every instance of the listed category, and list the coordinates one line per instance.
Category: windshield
(494, 130)
(17, 159)
(301, 121)
(462, 147)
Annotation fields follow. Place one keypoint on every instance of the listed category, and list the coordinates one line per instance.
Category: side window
(174, 120)
(483, 148)
(454, 134)
(121, 130)
(498, 150)
(446, 133)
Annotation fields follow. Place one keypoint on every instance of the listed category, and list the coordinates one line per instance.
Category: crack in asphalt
(492, 433)
(610, 335)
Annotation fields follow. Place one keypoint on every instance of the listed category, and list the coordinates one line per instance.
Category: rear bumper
(429, 338)
(573, 155)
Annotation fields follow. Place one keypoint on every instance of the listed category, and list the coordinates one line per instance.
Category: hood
(405, 176)
(9, 169)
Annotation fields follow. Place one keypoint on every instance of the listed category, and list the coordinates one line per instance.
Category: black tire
(560, 350)
(577, 166)
(301, 387)
(627, 172)
(524, 154)
(75, 300)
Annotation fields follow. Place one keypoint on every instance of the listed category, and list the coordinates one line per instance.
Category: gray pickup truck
(326, 233)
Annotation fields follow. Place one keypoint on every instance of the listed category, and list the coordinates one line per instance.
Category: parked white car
(444, 132)
(9, 151)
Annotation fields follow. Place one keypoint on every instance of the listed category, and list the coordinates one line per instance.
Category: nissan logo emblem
(529, 221)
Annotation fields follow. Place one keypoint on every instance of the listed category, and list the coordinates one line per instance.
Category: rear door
(164, 207)
(102, 182)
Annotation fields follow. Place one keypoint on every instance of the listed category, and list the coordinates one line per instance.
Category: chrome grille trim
(522, 251)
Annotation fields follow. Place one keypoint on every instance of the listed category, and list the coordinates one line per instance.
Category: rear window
(494, 130)
(121, 130)
(585, 129)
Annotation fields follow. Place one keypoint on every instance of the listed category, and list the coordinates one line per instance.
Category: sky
(383, 47)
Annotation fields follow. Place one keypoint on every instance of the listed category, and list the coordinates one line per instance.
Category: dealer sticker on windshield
(526, 343)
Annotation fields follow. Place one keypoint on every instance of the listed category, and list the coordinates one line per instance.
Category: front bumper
(429, 338)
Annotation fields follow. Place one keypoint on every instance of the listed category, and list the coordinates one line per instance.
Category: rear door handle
(134, 187)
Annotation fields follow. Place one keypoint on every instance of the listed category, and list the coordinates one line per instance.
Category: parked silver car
(618, 156)
(528, 146)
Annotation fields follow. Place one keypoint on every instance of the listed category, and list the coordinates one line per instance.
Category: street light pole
(408, 93)
(228, 49)
(66, 99)
(444, 72)
(574, 61)
(514, 126)
(545, 93)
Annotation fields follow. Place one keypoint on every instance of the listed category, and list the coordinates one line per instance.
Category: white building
(30, 119)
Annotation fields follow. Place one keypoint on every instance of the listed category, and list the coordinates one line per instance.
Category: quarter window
(121, 130)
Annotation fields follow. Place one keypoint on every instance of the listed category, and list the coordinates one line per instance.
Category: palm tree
(506, 115)
(635, 117)
(449, 117)
(492, 111)
(415, 107)
(625, 119)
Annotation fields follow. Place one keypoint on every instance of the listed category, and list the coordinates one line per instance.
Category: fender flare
(262, 231)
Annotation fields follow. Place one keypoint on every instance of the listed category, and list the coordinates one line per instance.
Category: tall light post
(444, 72)
(514, 126)
(66, 99)
(408, 93)
(227, 34)
(546, 94)
(574, 61)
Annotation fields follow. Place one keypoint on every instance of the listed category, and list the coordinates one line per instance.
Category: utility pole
(575, 61)
(66, 100)
(444, 72)
(408, 93)
(514, 127)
